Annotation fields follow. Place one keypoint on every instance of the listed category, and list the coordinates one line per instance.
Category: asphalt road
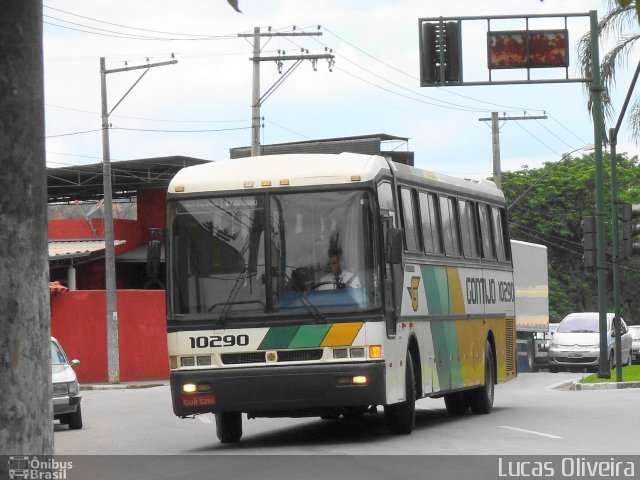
(530, 417)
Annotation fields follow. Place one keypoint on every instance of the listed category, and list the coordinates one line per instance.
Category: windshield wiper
(311, 308)
(224, 315)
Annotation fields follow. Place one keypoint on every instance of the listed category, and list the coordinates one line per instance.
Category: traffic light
(441, 45)
(589, 252)
(630, 230)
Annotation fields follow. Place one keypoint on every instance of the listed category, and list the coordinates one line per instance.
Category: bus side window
(409, 220)
(385, 200)
(502, 249)
(468, 229)
(486, 233)
(450, 226)
(430, 217)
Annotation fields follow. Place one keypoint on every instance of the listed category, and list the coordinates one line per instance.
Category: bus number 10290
(213, 341)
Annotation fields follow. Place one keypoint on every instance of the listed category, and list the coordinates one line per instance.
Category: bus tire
(401, 417)
(481, 399)
(456, 403)
(229, 427)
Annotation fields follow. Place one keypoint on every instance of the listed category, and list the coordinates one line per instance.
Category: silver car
(66, 390)
(576, 342)
(634, 330)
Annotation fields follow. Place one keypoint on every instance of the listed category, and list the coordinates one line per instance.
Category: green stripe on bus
(278, 337)
(437, 289)
(309, 336)
(445, 345)
(454, 352)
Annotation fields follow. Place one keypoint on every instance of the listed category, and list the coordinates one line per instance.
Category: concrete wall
(78, 321)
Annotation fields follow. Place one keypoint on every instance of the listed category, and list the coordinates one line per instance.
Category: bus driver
(338, 278)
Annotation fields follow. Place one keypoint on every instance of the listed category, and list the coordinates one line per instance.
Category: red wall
(78, 321)
(131, 231)
(152, 208)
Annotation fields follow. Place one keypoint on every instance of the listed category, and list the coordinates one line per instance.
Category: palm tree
(620, 22)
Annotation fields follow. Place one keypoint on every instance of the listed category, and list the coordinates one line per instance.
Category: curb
(122, 386)
(605, 386)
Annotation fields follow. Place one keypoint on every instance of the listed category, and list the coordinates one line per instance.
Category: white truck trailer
(531, 281)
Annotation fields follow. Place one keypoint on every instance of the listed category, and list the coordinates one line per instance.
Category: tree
(26, 417)
(627, 3)
(620, 21)
(551, 214)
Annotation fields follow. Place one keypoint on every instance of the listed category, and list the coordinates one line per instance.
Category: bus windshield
(322, 255)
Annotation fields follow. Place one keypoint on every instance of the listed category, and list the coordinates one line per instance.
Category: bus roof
(308, 170)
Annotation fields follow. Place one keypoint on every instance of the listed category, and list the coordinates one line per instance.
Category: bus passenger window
(430, 223)
(468, 229)
(411, 234)
(450, 228)
(485, 232)
(499, 234)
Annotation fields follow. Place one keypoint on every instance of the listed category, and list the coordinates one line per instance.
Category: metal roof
(84, 182)
(365, 144)
(60, 251)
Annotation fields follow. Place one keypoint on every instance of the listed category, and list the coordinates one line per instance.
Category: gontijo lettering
(483, 291)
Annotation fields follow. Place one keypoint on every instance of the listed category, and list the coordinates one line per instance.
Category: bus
(263, 322)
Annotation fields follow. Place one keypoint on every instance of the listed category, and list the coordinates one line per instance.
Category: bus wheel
(229, 427)
(481, 399)
(456, 403)
(401, 417)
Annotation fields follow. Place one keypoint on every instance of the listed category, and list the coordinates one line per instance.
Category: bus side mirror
(153, 258)
(393, 245)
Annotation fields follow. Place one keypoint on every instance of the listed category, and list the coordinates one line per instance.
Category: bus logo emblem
(413, 292)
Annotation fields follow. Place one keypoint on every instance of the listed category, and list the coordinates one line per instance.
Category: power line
(190, 35)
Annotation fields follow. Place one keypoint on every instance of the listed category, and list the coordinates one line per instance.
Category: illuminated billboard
(528, 49)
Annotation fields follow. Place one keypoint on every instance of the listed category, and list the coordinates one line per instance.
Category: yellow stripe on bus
(455, 290)
(341, 334)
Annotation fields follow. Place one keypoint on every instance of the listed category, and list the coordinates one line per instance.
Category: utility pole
(113, 350)
(495, 140)
(256, 99)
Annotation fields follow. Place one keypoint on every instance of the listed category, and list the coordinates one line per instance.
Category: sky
(201, 106)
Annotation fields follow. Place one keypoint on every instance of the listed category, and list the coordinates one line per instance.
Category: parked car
(634, 330)
(576, 342)
(66, 390)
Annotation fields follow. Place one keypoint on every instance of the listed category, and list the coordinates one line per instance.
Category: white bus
(327, 285)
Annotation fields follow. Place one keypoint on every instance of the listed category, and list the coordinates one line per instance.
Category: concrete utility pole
(495, 140)
(113, 350)
(256, 99)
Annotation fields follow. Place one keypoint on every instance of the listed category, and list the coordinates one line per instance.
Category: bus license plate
(198, 400)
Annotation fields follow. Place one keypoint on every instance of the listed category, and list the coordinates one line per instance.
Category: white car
(634, 330)
(576, 342)
(66, 390)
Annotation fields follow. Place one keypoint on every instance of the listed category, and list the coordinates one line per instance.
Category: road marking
(204, 419)
(523, 430)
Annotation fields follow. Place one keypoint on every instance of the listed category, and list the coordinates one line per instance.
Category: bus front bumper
(295, 390)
